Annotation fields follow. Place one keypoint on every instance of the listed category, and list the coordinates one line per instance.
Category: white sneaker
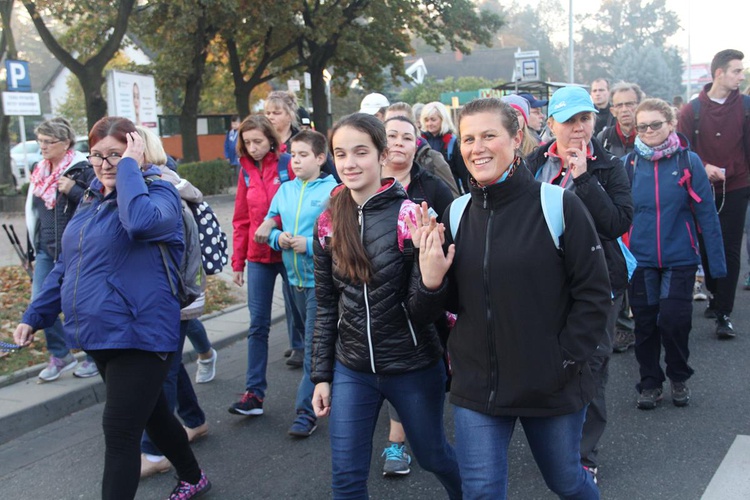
(206, 368)
(86, 369)
(58, 366)
(698, 293)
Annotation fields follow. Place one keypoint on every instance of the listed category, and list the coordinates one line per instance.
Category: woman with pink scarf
(57, 184)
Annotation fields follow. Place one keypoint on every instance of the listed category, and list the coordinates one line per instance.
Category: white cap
(372, 103)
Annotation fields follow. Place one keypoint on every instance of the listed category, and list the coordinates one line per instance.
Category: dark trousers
(662, 304)
(596, 413)
(178, 389)
(732, 220)
(135, 401)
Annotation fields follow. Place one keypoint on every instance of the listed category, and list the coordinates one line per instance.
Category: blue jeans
(482, 449)
(178, 390)
(199, 338)
(306, 305)
(295, 322)
(261, 279)
(418, 396)
(54, 335)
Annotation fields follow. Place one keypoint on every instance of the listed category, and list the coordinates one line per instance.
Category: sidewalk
(26, 403)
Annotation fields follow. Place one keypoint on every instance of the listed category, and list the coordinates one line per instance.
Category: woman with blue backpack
(529, 284)
(672, 198)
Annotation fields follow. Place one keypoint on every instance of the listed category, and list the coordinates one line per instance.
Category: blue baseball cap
(533, 101)
(569, 101)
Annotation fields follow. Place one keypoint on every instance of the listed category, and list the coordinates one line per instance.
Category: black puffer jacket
(426, 186)
(384, 326)
(605, 190)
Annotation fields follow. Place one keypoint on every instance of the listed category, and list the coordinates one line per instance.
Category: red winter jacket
(254, 195)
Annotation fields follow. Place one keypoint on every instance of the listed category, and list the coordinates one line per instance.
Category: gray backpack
(191, 278)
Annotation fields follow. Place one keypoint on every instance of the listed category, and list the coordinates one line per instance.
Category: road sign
(527, 65)
(19, 79)
(293, 85)
(308, 81)
(21, 104)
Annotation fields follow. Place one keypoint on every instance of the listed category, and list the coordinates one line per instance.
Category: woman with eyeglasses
(671, 197)
(577, 162)
(112, 283)
(57, 185)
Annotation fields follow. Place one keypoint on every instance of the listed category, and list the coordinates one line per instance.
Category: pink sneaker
(185, 490)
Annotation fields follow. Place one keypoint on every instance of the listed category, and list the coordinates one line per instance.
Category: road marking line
(732, 480)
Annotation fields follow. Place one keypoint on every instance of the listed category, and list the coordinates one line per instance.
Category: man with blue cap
(577, 162)
(536, 113)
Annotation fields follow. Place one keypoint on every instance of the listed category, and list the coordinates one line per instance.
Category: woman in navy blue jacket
(112, 286)
(671, 193)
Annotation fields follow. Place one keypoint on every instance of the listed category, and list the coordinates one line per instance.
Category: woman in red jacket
(259, 150)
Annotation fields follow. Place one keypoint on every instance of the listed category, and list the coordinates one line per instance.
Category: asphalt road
(667, 453)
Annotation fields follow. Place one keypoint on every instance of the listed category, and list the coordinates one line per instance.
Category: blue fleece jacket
(299, 203)
(110, 280)
(669, 196)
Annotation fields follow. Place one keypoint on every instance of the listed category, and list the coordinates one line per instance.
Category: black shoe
(250, 404)
(624, 340)
(710, 312)
(648, 398)
(680, 394)
(287, 353)
(296, 359)
(724, 328)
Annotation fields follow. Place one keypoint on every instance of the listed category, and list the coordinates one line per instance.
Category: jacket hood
(79, 161)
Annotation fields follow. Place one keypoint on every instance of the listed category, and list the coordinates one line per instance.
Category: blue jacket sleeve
(46, 307)
(148, 213)
(273, 239)
(707, 218)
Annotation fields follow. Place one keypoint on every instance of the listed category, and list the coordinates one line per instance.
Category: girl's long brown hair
(350, 257)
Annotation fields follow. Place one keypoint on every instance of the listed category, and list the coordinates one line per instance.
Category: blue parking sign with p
(18, 77)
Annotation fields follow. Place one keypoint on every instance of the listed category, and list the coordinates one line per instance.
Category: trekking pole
(16, 243)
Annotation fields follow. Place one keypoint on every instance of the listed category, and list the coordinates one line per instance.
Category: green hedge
(211, 177)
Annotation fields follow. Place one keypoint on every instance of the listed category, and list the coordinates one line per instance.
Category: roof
(539, 89)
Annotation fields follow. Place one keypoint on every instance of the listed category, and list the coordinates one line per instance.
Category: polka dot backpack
(213, 240)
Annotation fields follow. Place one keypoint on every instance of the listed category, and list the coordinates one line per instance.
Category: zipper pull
(484, 191)
(359, 216)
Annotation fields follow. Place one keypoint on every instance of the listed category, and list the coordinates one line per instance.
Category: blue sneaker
(303, 426)
(397, 461)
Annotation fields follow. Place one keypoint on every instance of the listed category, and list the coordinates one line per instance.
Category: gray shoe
(206, 368)
(58, 366)
(296, 359)
(86, 369)
(624, 340)
(397, 461)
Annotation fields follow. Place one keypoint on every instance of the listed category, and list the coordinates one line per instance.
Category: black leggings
(135, 402)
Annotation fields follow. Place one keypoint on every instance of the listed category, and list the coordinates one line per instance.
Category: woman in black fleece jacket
(529, 315)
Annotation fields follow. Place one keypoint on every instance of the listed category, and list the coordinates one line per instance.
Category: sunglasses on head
(645, 126)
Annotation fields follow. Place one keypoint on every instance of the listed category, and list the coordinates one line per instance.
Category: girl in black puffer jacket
(374, 338)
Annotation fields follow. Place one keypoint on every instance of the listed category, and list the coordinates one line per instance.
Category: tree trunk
(8, 50)
(319, 100)
(193, 86)
(96, 104)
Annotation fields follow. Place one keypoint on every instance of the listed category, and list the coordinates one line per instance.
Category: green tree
(183, 47)
(95, 30)
(617, 24)
(658, 81)
(361, 37)
(261, 41)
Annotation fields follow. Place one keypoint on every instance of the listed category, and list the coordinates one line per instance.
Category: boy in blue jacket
(299, 203)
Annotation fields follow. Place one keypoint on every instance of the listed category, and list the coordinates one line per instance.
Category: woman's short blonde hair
(439, 109)
(287, 101)
(153, 148)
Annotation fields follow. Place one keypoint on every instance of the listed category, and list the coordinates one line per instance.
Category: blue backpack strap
(282, 167)
(451, 146)
(551, 197)
(245, 176)
(456, 212)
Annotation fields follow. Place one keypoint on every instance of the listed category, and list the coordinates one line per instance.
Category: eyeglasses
(629, 105)
(46, 142)
(98, 160)
(645, 126)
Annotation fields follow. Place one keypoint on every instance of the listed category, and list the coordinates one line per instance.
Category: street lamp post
(571, 77)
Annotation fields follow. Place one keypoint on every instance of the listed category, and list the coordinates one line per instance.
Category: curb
(87, 392)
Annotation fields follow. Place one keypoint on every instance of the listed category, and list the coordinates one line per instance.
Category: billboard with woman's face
(132, 96)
